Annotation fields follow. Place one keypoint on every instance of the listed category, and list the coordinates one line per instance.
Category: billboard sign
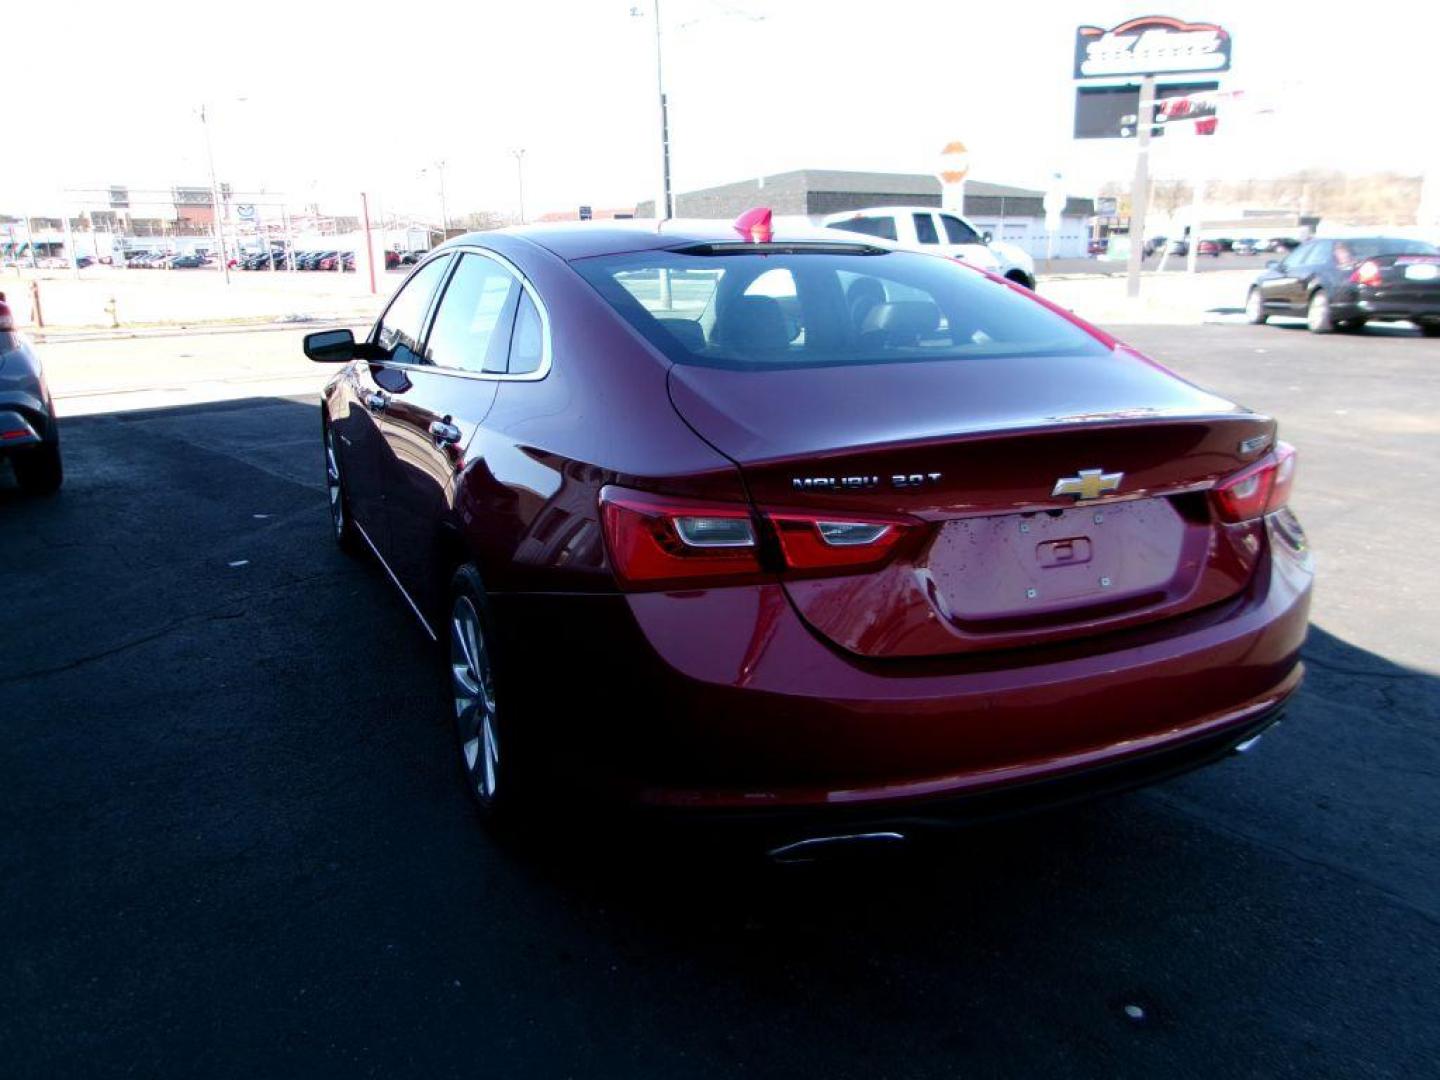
(1150, 45)
(1110, 112)
(192, 196)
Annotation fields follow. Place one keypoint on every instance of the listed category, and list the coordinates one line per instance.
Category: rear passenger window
(471, 331)
(527, 344)
(925, 229)
(400, 326)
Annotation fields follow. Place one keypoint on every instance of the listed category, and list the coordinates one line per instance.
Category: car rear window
(781, 307)
(1370, 246)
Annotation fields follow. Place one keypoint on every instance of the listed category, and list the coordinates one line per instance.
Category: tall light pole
(664, 202)
(214, 197)
(663, 206)
(520, 179)
(444, 211)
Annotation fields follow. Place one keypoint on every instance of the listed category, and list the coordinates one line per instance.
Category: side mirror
(1272, 264)
(330, 346)
(987, 237)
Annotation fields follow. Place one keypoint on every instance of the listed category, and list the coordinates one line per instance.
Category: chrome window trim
(374, 336)
(547, 352)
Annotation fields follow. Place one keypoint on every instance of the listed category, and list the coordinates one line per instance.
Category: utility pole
(214, 198)
(444, 212)
(664, 208)
(1140, 186)
(1192, 253)
(70, 241)
(369, 245)
(520, 179)
(30, 236)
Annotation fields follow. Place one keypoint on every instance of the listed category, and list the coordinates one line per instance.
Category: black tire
(1255, 309)
(1317, 313)
(342, 525)
(38, 469)
(493, 755)
(1021, 278)
(1430, 329)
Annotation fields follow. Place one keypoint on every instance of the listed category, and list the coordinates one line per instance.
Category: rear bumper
(1396, 308)
(725, 702)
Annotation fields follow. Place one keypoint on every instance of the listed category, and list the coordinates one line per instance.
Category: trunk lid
(975, 450)
(1405, 279)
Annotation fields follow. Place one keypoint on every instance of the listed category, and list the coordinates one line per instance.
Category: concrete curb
(121, 333)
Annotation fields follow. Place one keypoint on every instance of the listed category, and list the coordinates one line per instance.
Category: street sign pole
(1140, 187)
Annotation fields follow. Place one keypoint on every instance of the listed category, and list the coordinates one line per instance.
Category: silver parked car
(29, 435)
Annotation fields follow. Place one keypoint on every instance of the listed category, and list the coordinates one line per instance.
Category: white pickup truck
(944, 232)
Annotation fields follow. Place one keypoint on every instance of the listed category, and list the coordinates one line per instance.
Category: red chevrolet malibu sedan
(739, 522)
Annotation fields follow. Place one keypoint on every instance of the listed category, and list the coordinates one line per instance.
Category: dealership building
(1007, 213)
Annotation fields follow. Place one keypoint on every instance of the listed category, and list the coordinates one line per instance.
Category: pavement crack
(1358, 877)
(125, 646)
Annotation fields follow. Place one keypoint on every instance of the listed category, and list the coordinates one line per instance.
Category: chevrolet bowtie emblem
(1090, 484)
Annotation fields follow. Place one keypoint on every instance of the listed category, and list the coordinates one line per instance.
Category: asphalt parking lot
(235, 844)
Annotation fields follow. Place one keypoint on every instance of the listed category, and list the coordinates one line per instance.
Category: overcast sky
(343, 98)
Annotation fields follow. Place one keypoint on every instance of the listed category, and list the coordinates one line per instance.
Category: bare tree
(484, 220)
(1171, 195)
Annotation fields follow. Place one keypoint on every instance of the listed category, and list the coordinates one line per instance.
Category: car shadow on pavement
(241, 848)
(1199, 903)
(1394, 330)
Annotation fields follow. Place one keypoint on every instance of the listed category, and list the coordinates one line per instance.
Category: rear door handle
(444, 433)
(376, 402)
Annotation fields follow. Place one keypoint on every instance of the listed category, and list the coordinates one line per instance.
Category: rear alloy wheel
(38, 469)
(494, 756)
(472, 687)
(1317, 315)
(1255, 308)
(341, 526)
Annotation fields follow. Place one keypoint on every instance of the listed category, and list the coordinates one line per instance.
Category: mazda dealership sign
(1151, 45)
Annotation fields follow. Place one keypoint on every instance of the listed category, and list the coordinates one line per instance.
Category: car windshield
(761, 309)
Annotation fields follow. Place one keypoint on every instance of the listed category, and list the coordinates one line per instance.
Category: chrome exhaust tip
(815, 847)
(1244, 746)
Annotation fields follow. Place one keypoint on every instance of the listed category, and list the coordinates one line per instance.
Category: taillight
(1367, 273)
(1260, 489)
(658, 542)
(812, 542)
(7, 318)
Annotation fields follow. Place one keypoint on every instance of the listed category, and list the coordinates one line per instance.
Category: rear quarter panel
(526, 501)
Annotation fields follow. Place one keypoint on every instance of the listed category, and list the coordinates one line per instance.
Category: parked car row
(1215, 247)
(166, 260)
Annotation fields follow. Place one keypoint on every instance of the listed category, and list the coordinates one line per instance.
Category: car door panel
(358, 447)
(1280, 289)
(436, 406)
(396, 341)
(424, 463)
